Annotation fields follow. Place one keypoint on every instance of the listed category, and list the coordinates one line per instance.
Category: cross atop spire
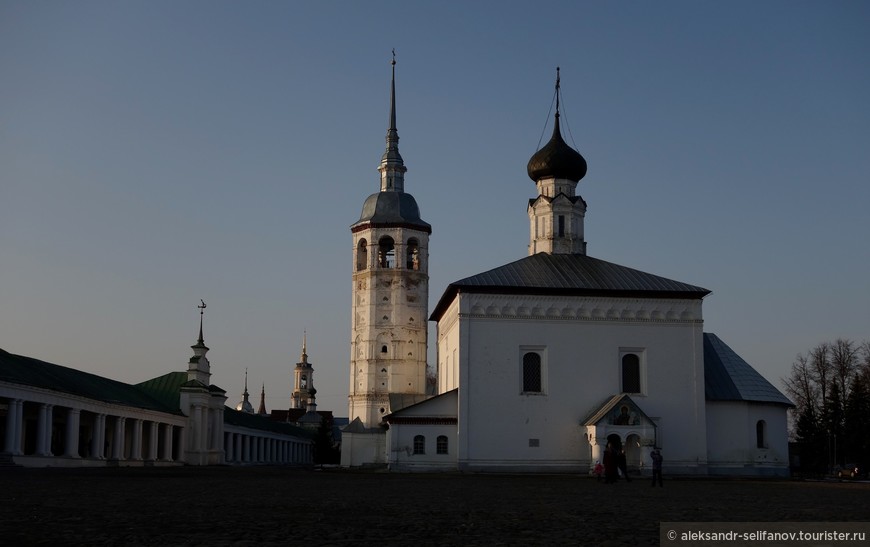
(558, 92)
(304, 357)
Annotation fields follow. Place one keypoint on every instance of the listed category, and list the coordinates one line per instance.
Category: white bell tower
(390, 290)
(303, 379)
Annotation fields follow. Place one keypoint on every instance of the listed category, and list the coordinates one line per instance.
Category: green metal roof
(166, 388)
(263, 423)
(28, 371)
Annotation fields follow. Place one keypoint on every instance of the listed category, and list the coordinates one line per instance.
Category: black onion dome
(557, 160)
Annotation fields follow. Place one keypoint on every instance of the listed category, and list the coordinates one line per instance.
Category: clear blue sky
(155, 153)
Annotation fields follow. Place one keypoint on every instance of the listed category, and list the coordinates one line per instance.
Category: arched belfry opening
(413, 255)
(362, 255)
(386, 252)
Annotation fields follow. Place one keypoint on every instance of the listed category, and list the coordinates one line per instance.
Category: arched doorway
(615, 441)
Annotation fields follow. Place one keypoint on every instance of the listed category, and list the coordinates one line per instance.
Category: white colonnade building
(51, 415)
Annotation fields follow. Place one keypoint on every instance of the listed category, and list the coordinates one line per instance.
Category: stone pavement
(282, 506)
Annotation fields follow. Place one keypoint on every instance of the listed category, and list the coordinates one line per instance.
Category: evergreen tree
(857, 419)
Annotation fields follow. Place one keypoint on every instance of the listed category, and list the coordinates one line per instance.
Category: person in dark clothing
(622, 464)
(610, 470)
(656, 456)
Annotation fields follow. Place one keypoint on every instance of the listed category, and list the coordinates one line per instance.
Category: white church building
(543, 361)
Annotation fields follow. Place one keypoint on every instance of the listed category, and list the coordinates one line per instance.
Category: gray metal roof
(392, 208)
(727, 377)
(568, 274)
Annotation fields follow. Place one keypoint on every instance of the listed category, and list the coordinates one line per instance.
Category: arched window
(630, 373)
(413, 258)
(362, 255)
(386, 252)
(419, 444)
(531, 372)
(441, 444)
(761, 434)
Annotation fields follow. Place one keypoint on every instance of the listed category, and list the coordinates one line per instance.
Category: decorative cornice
(583, 309)
(407, 226)
(421, 420)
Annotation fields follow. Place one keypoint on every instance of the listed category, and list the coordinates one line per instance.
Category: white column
(72, 433)
(203, 437)
(246, 448)
(219, 425)
(95, 437)
(153, 441)
(136, 440)
(100, 452)
(14, 420)
(167, 442)
(118, 440)
(228, 447)
(196, 430)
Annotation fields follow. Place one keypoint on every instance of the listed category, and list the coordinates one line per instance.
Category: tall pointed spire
(245, 405)
(262, 410)
(393, 98)
(392, 166)
(304, 356)
(200, 342)
(198, 367)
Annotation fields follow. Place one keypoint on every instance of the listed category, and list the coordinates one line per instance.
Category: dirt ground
(281, 506)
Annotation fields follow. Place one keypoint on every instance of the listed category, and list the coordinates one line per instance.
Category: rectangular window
(561, 225)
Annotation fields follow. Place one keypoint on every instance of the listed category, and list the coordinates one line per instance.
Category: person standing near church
(622, 464)
(656, 456)
(610, 471)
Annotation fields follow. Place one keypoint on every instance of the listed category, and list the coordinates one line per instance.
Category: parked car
(850, 471)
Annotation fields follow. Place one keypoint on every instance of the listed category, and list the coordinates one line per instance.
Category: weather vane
(394, 56)
(201, 311)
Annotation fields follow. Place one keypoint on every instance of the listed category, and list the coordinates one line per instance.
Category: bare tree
(800, 385)
(844, 361)
(822, 370)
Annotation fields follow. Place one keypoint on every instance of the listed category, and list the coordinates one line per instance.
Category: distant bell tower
(390, 290)
(556, 216)
(303, 379)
